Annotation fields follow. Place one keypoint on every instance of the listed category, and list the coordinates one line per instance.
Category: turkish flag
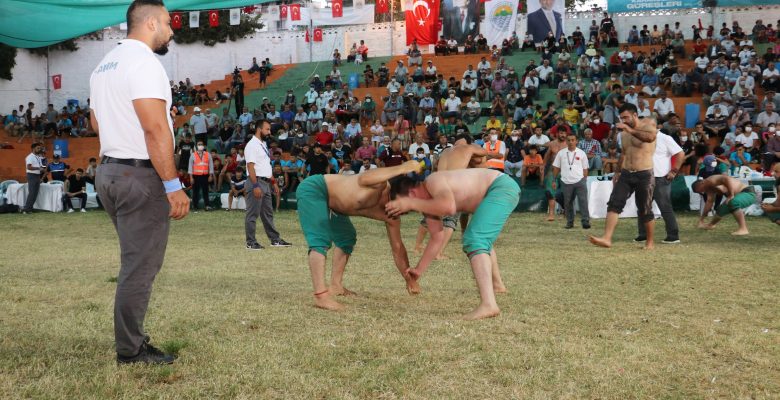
(337, 7)
(295, 12)
(317, 34)
(176, 20)
(283, 12)
(56, 81)
(382, 7)
(421, 20)
(307, 35)
(213, 18)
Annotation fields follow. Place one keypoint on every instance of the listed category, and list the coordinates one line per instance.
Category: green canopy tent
(38, 23)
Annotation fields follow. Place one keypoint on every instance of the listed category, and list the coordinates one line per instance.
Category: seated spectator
(768, 116)
(452, 46)
(470, 45)
(473, 111)
(468, 87)
(546, 73)
(531, 84)
(749, 140)
(540, 140)
(592, 149)
(237, 186)
(415, 56)
(633, 35)
(533, 165)
(610, 161)
(75, 187)
(440, 49)
(740, 157)
(663, 106)
(58, 169)
(393, 155)
(366, 165)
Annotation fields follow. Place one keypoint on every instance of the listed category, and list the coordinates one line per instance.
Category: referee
(258, 203)
(137, 181)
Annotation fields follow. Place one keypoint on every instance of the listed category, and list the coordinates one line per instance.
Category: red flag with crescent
(213, 18)
(306, 38)
(337, 8)
(56, 81)
(421, 19)
(176, 20)
(317, 34)
(382, 7)
(283, 12)
(295, 12)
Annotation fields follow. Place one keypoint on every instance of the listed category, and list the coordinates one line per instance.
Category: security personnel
(137, 180)
(201, 172)
(258, 198)
(496, 151)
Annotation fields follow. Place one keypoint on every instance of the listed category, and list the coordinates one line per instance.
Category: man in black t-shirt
(185, 150)
(75, 187)
(317, 163)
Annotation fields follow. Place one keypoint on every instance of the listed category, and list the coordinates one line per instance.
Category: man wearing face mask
(137, 181)
(496, 152)
(36, 168)
(201, 170)
(772, 150)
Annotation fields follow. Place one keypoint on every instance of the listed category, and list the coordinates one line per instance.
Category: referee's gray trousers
(662, 194)
(135, 200)
(263, 208)
(579, 189)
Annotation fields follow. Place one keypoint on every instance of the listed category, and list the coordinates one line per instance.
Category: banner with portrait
(545, 16)
(460, 19)
(500, 20)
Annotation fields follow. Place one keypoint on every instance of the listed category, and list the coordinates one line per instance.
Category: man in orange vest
(201, 172)
(496, 152)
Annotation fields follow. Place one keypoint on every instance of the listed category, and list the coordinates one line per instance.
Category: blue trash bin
(73, 102)
(692, 111)
(61, 148)
(354, 81)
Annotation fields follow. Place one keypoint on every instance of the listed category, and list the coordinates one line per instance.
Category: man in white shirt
(199, 124)
(483, 66)
(259, 202)
(419, 144)
(35, 168)
(571, 164)
(311, 96)
(625, 55)
(768, 116)
(473, 111)
(470, 72)
(452, 106)
(667, 159)
(468, 87)
(770, 77)
(130, 98)
(546, 73)
(663, 106)
(631, 96)
(701, 63)
(352, 129)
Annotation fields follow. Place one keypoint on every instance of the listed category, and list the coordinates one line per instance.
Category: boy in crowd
(237, 186)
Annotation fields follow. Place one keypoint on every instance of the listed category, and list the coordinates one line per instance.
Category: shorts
(642, 184)
(322, 227)
(549, 192)
(448, 221)
(742, 200)
(488, 220)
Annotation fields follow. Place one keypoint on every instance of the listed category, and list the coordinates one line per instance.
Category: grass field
(696, 320)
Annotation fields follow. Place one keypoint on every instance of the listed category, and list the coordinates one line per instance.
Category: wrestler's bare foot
(481, 312)
(740, 232)
(600, 242)
(412, 287)
(336, 290)
(326, 302)
(499, 288)
(649, 246)
(550, 218)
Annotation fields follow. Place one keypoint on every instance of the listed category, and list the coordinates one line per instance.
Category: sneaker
(586, 225)
(254, 246)
(148, 355)
(568, 226)
(71, 210)
(280, 243)
(670, 241)
(83, 210)
(208, 208)
(640, 239)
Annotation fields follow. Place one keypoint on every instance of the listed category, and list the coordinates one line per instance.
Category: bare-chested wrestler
(634, 176)
(552, 150)
(738, 197)
(489, 195)
(325, 203)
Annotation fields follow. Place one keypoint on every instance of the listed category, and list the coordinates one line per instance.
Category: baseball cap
(196, 109)
(325, 124)
(708, 159)
(316, 75)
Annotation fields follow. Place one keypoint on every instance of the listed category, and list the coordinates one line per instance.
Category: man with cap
(317, 83)
(137, 181)
(392, 107)
(199, 125)
(401, 72)
(324, 137)
(58, 169)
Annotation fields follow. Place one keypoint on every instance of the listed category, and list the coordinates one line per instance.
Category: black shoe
(568, 226)
(280, 243)
(586, 225)
(148, 355)
(254, 246)
(670, 241)
(640, 239)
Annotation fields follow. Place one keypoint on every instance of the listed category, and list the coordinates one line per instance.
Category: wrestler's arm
(378, 176)
(397, 247)
(434, 246)
(644, 132)
(441, 203)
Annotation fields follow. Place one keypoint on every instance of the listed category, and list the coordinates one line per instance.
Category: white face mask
(748, 129)
(368, 100)
(596, 121)
(201, 148)
(772, 129)
(493, 138)
(714, 164)
(565, 80)
(515, 138)
(683, 139)
(523, 95)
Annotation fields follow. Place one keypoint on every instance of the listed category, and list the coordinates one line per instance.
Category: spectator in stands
(739, 158)
(201, 171)
(392, 156)
(750, 140)
(663, 106)
(314, 120)
(400, 73)
(473, 111)
(59, 170)
(533, 165)
(414, 54)
(237, 186)
(452, 106)
(592, 149)
(768, 116)
(75, 187)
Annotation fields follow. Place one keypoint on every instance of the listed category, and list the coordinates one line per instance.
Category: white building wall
(204, 64)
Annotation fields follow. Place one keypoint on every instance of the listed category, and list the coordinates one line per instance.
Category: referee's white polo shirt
(256, 152)
(131, 71)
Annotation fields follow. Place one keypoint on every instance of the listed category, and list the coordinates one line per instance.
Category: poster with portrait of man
(545, 16)
(461, 18)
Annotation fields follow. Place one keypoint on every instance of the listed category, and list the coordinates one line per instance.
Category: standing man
(544, 21)
(738, 197)
(200, 125)
(496, 151)
(137, 182)
(667, 159)
(259, 203)
(635, 174)
(571, 164)
(35, 167)
(201, 170)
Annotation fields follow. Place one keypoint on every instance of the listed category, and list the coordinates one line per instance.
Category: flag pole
(392, 27)
(311, 35)
(48, 78)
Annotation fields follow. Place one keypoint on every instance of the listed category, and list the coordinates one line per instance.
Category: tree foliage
(68, 45)
(7, 61)
(210, 36)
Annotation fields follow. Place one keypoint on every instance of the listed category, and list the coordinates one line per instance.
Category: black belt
(127, 161)
(264, 179)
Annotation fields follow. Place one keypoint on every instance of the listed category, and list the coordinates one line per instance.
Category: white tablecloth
(598, 196)
(49, 196)
(238, 202)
